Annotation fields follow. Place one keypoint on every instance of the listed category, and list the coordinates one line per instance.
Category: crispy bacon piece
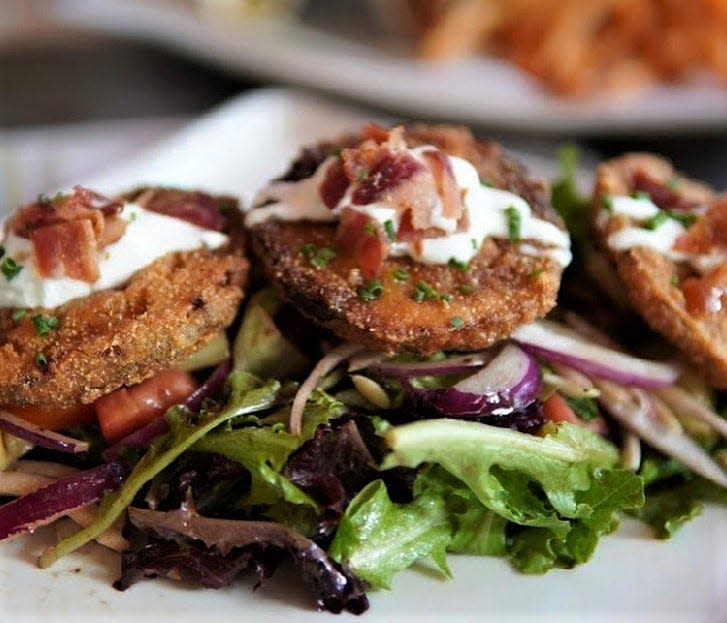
(708, 232)
(81, 204)
(363, 240)
(445, 182)
(66, 250)
(708, 294)
(334, 184)
(68, 230)
(664, 197)
(195, 207)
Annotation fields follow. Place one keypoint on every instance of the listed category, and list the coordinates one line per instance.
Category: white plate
(631, 578)
(316, 54)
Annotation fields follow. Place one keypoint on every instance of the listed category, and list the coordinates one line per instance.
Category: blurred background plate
(340, 48)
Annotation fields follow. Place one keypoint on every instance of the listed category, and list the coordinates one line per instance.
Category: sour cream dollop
(488, 214)
(147, 237)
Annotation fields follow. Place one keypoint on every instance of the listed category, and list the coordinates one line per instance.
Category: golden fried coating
(654, 282)
(436, 307)
(122, 336)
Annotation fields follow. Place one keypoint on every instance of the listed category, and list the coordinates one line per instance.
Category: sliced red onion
(58, 498)
(452, 365)
(510, 382)
(142, 437)
(554, 342)
(214, 383)
(40, 436)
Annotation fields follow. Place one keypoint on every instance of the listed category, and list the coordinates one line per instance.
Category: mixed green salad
(355, 465)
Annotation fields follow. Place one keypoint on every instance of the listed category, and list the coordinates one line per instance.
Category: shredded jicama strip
(323, 367)
(635, 409)
(682, 402)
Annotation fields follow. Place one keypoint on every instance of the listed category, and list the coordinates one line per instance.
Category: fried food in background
(680, 291)
(459, 309)
(117, 337)
(574, 47)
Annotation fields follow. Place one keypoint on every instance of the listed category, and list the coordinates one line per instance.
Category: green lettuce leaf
(562, 491)
(247, 396)
(378, 538)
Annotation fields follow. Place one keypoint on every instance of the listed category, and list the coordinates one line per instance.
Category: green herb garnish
(10, 268)
(18, 315)
(390, 230)
(371, 290)
(458, 264)
(513, 223)
(640, 194)
(465, 289)
(423, 291)
(370, 228)
(400, 274)
(607, 203)
(655, 221)
(308, 249)
(447, 298)
(475, 244)
(44, 324)
(41, 360)
(322, 256)
(534, 274)
(456, 322)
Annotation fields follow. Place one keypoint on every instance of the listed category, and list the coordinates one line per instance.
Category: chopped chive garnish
(535, 273)
(674, 280)
(423, 291)
(447, 298)
(390, 230)
(485, 182)
(513, 223)
(322, 256)
(456, 322)
(465, 289)
(370, 228)
(308, 249)
(458, 264)
(41, 360)
(640, 194)
(18, 315)
(607, 203)
(687, 219)
(362, 175)
(335, 153)
(475, 244)
(400, 274)
(655, 221)
(10, 268)
(44, 324)
(371, 290)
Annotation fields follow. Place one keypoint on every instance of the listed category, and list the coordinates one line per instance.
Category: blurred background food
(607, 74)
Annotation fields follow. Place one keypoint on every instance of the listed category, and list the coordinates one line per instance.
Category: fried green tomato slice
(121, 336)
(411, 306)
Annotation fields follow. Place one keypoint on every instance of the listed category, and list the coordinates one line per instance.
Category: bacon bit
(708, 232)
(334, 184)
(662, 196)
(366, 245)
(66, 249)
(197, 208)
(387, 180)
(379, 134)
(706, 295)
(445, 183)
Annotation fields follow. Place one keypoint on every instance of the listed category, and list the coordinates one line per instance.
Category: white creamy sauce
(148, 236)
(661, 238)
(486, 216)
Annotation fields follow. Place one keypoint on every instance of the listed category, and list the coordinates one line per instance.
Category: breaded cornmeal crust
(650, 277)
(122, 336)
(501, 288)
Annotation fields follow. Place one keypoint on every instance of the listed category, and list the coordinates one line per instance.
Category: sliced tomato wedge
(129, 408)
(54, 418)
